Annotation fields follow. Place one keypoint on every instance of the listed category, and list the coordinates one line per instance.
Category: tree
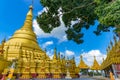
(81, 11)
(108, 12)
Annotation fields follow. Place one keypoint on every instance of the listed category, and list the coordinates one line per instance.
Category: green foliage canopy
(83, 11)
(108, 12)
(72, 10)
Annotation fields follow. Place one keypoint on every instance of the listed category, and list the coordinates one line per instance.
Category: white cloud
(47, 44)
(44, 10)
(50, 53)
(77, 60)
(69, 53)
(39, 32)
(89, 56)
(58, 32)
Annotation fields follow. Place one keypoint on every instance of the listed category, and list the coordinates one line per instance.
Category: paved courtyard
(68, 79)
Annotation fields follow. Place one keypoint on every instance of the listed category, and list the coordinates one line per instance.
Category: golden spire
(25, 35)
(4, 40)
(55, 54)
(103, 59)
(82, 64)
(111, 43)
(115, 39)
(28, 21)
(59, 56)
(95, 65)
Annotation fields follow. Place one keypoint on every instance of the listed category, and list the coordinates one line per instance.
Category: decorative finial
(73, 57)
(32, 2)
(115, 39)
(55, 50)
(59, 57)
(103, 59)
(55, 54)
(31, 7)
(81, 56)
(4, 40)
(108, 48)
(45, 50)
(111, 43)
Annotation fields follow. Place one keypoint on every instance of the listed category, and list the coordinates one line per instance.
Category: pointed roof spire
(111, 43)
(108, 47)
(82, 64)
(28, 22)
(95, 65)
(73, 57)
(115, 39)
(107, 50)
(55, 54)
(4, 40)
(59, 56)
(103, 59)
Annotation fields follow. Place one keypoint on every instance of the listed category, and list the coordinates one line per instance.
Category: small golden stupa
(112, 61)
(95, 65)
(82, 64)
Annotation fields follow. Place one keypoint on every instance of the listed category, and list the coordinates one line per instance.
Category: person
(111, 76)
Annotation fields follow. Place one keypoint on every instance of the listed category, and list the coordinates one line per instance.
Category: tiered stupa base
(41, 76)
(73, 75)
(56, 76)
(25, 76)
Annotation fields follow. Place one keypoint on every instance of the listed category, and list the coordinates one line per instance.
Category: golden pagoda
(24, 48)
(72, 67)
(56, 66)
(3, 62)
(112, 61)
(82, 64)
(95, 65)
(63, 67)
(31, 60)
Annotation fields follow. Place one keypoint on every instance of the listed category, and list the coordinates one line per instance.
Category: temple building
(83, 66)
(31, 60)
(73, 68)
(95, 65)
(112, 62)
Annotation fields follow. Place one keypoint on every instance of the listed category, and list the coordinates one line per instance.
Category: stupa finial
(115, 39)
(81, 57)
(111, 43)
(94, 57)
(55, 54)
(28, 22)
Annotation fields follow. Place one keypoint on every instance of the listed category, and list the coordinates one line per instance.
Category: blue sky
(12, 16)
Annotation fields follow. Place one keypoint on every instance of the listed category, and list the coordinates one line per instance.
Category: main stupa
(31, 60)
(24, 48)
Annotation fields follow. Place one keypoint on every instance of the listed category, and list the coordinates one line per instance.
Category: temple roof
(95, 65)
(113, 55)
(82, 64)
